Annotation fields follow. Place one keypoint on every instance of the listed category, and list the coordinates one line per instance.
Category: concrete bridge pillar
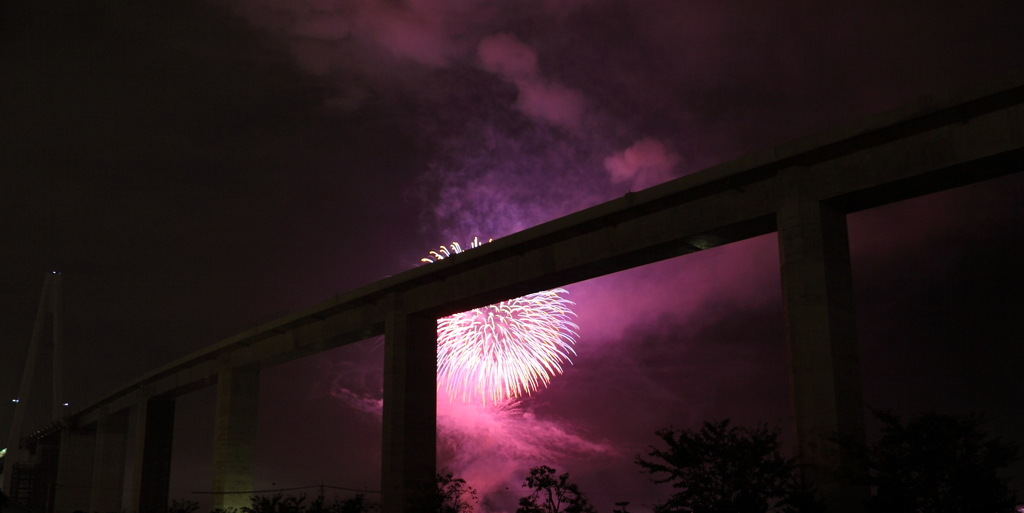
(154, 433)
(234, 440)
(817, 289)
(409, 459)
(74, 470)
(109, 463)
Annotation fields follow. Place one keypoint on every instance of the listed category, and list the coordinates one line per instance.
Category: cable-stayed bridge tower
(29, 464)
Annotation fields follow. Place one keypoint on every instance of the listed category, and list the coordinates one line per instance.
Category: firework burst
(505, 350)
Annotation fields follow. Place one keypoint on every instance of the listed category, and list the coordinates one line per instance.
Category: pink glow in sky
(490, 446)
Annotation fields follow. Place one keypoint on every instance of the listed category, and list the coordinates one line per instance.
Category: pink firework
(505, 350)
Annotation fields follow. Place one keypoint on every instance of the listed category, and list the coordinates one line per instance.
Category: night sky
(194, 168)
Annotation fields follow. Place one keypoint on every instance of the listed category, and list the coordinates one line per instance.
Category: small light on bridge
(15, 400)
(65, 404)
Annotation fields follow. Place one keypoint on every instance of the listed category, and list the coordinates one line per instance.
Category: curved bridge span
(803, 190)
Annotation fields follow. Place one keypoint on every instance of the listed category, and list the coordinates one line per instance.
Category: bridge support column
(154, 433)
(74, 470)
(410, 412)
(109, 463)
(817, 288)
(234, 439)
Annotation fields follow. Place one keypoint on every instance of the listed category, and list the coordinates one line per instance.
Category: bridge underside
(802, 190)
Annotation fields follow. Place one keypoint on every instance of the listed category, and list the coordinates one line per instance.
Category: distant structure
(802, 190)
(30, 463)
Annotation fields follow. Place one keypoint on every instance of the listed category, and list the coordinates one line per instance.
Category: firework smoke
(646, 163)
(491, 446)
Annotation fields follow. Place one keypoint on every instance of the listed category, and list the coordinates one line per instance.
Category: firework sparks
(505, 350)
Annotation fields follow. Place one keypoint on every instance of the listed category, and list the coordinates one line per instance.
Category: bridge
(802, 190)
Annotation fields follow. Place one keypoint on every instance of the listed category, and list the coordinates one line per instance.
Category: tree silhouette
(454, 495)
(183, 506)
(555, 494)
(938, 463)
(276, 503)
(723, 468)
(354, 504)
